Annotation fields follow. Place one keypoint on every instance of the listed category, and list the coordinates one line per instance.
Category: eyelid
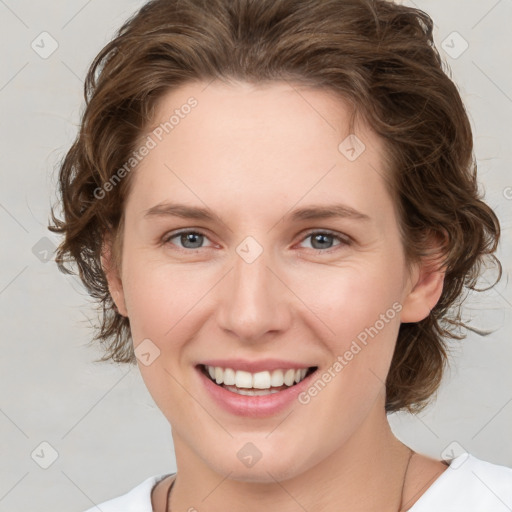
(172, 234)
(342, 238)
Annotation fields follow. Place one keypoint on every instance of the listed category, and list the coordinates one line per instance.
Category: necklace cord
(169, 494)
(411, 452)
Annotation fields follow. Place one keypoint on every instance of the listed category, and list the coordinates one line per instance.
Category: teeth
(277, 378)
(229, 377)
(252, 392)
(242, 379)
(259, 380)
(289, 377)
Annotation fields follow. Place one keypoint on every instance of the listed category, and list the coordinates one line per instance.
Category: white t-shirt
(467, 485)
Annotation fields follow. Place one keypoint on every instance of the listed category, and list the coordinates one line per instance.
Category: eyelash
(343, 239)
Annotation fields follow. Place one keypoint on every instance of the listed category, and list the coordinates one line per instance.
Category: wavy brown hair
(378, 55)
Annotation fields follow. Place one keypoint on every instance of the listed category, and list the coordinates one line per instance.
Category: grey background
(99, 419)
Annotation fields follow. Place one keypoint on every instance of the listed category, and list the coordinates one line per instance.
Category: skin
(252, 154)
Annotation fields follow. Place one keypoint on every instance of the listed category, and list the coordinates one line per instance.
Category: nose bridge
(253, 300)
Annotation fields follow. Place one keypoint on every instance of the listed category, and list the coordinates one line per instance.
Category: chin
(268, 474)
(273, 465)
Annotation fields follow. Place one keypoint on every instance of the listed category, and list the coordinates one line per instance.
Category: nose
(254, 301)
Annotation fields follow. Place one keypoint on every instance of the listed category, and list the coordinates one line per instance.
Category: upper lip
(256, 366)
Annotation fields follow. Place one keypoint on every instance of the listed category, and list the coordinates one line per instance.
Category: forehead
(238, 109)
(251, 145)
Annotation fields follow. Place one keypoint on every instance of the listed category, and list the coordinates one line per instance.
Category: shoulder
(469, 485)
(137, 499)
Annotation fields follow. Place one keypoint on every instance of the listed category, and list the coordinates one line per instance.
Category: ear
(426, 283)
(111, 271)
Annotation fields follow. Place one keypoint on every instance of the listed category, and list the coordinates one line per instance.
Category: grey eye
(321, 240)
(187, 240)
(194, 239)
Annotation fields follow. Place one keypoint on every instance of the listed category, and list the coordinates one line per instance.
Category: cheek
(349, 299)
(159, 298)
(361, 307)
(364, 314)
(163, 306)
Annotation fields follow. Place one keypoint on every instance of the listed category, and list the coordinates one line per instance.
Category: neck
(365, 472)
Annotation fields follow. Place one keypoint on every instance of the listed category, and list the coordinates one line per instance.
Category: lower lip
(254, 406)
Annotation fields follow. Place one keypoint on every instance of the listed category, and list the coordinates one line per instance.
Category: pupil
(189, 238)
(320, 237)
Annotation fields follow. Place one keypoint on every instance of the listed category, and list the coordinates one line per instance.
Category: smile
(256, 384)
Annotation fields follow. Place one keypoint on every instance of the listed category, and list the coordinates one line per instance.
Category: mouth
(255, 384)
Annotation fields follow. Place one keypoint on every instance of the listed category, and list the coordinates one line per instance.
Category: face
(269, 280)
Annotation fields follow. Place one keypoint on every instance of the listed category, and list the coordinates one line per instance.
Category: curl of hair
(377, 55)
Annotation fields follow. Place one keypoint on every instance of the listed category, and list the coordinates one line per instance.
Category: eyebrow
(167, 209)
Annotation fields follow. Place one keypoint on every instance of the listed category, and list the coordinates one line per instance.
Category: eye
(322, 240)
(189, 239)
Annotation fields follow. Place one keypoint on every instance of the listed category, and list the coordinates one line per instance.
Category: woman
(275, 203)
